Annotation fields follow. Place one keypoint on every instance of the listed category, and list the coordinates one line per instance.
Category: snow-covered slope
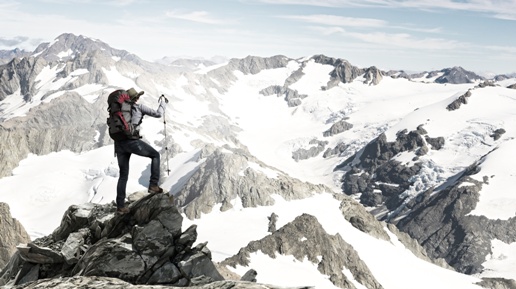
(225, 109)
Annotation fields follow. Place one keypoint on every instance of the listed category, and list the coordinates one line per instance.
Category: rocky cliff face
(442, 224)
(12, 233)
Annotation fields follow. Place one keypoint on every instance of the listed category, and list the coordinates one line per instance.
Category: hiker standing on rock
(124, 128)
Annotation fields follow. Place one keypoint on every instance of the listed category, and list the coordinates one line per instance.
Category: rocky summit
(145, 246)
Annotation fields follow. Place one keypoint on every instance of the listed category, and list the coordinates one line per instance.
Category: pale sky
(389, 34)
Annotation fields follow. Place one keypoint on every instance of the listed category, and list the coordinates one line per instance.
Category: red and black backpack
(120, 113)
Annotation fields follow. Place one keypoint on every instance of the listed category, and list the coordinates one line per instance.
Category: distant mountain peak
(68, 45)
(456, 75)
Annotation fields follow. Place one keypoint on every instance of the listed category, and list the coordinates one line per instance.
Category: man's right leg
(123, 165)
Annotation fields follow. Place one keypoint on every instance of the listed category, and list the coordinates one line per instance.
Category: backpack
(120, 112)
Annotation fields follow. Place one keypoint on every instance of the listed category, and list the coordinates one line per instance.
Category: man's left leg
(143, 149)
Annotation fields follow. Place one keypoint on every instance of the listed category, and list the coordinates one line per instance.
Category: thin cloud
(333, 20)
(416, 29)
(391, 40)
(118, 3)
(500, 9)
(122, 2)
(12, 42)
(65, 1)
(504, 49)
(406, 41)
(195, 16)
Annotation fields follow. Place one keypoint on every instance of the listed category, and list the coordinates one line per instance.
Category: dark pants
(123, 150)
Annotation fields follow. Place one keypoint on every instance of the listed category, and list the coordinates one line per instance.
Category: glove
(162, 97)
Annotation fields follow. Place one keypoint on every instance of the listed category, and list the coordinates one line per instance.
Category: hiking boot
(123, 210)
(154, 189)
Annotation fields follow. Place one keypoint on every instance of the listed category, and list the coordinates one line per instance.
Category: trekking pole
(165, 128)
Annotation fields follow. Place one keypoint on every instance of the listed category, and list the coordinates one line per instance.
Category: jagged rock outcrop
(497, 283)
(486, 83)
(338, 127)
(145, 246)
(225, 176)
(512, 86)
(305, 239)
(292, 97)
(337, 150)
(373, 76)
(357, 216)
(12, 233)
(316, 147)
(463, 99)
(377, 178)
(497, 134)
(344, 72)
(441, 223)
(457, 75)
(272, 222)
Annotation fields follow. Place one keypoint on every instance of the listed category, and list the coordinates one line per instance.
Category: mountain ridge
(323, 133)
